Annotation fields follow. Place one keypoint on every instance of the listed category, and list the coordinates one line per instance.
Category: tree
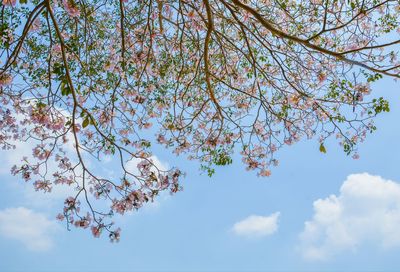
(212, 77)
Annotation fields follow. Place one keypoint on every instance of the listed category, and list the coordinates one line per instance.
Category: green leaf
(85, 122)
(322, 148)
(65, 90)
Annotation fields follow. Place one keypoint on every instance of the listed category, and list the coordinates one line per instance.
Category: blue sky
(233, 221)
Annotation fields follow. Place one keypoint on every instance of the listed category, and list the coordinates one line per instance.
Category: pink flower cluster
(5, 79)
(42, 185)
(10, 3)
(41, 114)
(134, 200)
(71, 8)
(84, 222)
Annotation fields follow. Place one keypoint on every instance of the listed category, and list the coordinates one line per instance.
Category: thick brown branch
(306, 43)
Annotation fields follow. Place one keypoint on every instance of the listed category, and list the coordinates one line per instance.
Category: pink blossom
(10, 3)
(57, 48)
(115, 235)
(96, 231)
(43, 185)
(265, 173)
(40, 152)
(322, 77)
(147, 125)
(161, 139)
(36, 25)
(71, 8)
(5, 80)
(84, 222)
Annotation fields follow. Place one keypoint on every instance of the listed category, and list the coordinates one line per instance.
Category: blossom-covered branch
(87, 80)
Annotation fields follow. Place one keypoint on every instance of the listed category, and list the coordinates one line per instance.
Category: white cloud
(366, 211)
(257, 226)
(30, 228)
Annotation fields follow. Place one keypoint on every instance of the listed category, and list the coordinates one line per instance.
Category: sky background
(317, 212)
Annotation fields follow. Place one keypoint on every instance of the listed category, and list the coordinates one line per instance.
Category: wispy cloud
(30, 228)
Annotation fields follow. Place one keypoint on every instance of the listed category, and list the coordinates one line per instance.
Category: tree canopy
(87, 79)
